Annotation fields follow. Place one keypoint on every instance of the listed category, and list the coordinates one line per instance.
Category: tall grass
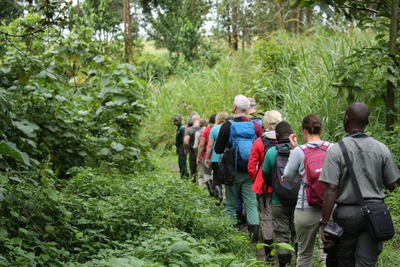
(295, 89)
(299, 82)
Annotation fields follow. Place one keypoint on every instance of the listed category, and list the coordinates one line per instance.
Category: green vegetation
(88, 171)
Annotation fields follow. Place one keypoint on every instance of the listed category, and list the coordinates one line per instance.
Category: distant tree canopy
(175, 24)
(10, 10)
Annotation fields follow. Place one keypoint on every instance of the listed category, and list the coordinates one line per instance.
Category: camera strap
(349, 165)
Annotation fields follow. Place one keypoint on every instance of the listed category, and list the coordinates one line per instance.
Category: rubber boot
(210, 187)
(284, 260)
(268, 249)
(218, 192)
(253, 231)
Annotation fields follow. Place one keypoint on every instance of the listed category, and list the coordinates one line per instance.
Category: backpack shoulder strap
(280, 146)
(325, 145)
(305, 149)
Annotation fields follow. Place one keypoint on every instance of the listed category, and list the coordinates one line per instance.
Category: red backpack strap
(305, 149)
(325, 145)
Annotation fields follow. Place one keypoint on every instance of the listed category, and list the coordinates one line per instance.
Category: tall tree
(235, 40)
(280, 15)
(128, 32)
(390, 92)
(175, 24)
(104, 16)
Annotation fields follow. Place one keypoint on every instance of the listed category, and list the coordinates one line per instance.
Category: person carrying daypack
(180, 135)
(253, 115)
(307, 161)
(264, 192)
(201, 156)
(241, 182)
(284, 192)
(374, 169)
(196, 144)
(188, 146)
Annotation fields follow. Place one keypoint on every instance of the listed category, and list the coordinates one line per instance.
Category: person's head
(240, 104)
(203, 123)
(190, 122)
(252, 107)
(195, 119)
(212, 118)
(271, 119)
(283, 130)
(312, 124)
(221, 117)
(356, 117)
(177, 120)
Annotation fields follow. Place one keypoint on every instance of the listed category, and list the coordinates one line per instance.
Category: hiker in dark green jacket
(180, 134)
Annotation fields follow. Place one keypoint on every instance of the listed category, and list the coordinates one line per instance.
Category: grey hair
(196, 118)
(242, 103)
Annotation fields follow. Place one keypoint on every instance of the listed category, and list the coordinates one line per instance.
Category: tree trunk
(128, 32)
(194, 10)
(390, 96)
(77, 8)
(280, 16)
(234, 27)
(298, 21)
(308, 17)
(217, 8)
(229, 26)
(246, 30)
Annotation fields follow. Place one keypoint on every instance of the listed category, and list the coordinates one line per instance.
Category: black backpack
(287, 191)
(267, 143)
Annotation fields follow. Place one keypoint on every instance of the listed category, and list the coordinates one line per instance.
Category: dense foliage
(87, 170)
(106, 219)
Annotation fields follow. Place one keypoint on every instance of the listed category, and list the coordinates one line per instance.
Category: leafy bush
(51, 222)
(80, 109)
(152, 68)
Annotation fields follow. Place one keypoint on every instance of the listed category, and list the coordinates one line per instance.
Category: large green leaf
(10, 149)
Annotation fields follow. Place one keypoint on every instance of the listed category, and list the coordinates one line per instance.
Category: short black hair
(283, 129)
(212, 118)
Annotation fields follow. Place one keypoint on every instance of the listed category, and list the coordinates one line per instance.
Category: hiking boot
(268, 256)
(210, 187)
(284, 260)
(253, 231)
(218, 192)
(270, 259)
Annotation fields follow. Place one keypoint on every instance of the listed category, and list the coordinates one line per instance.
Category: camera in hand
(332, 231)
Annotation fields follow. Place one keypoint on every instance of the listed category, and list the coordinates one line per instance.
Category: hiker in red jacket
(256, 160)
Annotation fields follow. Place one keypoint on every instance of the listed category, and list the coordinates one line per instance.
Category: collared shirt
(373, 165)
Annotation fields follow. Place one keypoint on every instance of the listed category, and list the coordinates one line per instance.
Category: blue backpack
(242, 137)
(258, 120)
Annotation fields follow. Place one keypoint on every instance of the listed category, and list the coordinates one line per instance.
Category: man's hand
(207, 162)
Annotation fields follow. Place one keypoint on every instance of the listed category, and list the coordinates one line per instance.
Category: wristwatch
(321, 223)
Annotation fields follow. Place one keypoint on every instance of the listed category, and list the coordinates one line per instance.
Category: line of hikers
(256, 158)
